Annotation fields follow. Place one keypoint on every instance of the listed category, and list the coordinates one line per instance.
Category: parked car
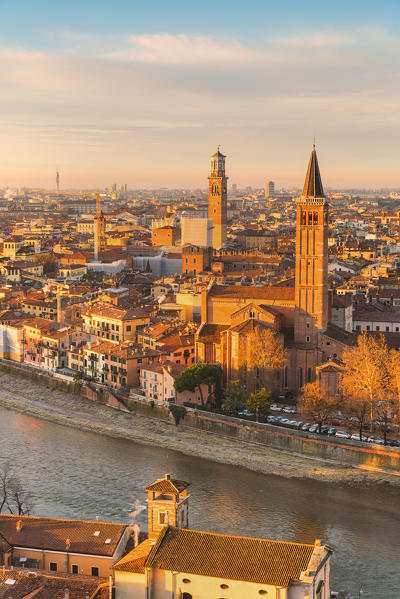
(313, 428)
(275, 408)
(331, 431)
(342, 435)
(356, 437)
(271, 419)
(306, 426)
(324, 429)
(376, 440)
(337, 422)
(393, 443)
(289, 410)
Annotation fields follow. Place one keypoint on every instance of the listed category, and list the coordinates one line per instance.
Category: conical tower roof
(313, 184)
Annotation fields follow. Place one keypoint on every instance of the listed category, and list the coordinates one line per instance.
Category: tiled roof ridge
(221, 534)
(17, 517)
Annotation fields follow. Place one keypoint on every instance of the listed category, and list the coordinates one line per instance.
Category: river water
(76, 474)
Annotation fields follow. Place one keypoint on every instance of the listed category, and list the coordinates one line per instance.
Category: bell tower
(217, 199)
(168, 505)
(311, 285)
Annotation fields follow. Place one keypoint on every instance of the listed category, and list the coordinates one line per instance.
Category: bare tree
(13, 496)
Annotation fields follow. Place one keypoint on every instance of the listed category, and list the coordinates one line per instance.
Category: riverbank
(39, 400)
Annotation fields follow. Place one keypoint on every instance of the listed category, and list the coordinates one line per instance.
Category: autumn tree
(316, 404)
(258, 402)
(194, 377)
(234, 397)
(387, 410)
(262, 357)
(365, 374)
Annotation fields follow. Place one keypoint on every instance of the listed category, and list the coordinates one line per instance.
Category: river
(76, 474)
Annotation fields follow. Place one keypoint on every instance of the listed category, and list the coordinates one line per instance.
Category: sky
(143, 92)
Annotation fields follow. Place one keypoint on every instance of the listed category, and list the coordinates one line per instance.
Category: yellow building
(178, 563)
(71, 546)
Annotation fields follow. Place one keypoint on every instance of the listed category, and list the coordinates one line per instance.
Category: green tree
(197, 375)
(178, 412)
(234, 397)
(258, 402)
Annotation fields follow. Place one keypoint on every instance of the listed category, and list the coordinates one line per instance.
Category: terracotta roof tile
(236, 558)
(52, 534)
(250, 292)
(168, 485)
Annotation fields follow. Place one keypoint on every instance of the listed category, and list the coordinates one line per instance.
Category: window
(300, 377)
(53, 567)
(223, 586)
(308, 339)
(387, 329)
(75, 569)
(309, 375)
(285, 377)
(378, 328)
(186, 596)
(162, 517)
(128, 327)
(95, 571)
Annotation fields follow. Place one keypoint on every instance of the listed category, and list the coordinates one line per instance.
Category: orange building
(164, 236)
(301, 311)
(195, 259)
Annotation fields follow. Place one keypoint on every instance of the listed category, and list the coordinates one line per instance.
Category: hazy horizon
(141, 94)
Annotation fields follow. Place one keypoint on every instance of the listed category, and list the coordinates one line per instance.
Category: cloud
(149, 104)
(184, 49)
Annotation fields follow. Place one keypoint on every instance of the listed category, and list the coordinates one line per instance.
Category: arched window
(315, 219)
(186, 596)
(309, 375)
(300, 377)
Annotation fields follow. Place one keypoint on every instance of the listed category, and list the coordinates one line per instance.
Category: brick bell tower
(168, 505)
(311, 286)
(217, 199)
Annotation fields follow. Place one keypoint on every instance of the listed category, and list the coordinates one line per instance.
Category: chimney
(167, 477)
(19, 525)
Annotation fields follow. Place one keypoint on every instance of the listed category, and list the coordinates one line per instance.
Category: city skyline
(144, 96)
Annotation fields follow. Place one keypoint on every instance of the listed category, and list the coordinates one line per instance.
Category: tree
(316, 404)
(49, 262)
(178, 412)
(263, 355)
(13, 496)
(365, 372)
(234, 397)
(258, 402)
(388, 404)
(197, 375)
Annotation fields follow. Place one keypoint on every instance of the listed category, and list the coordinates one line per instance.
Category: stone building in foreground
(180, 563)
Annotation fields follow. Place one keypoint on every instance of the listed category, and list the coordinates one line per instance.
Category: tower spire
(313, 184)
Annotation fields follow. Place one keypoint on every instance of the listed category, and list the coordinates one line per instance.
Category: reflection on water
(76, 474)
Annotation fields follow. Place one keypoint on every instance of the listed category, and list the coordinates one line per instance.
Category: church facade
(299, 315)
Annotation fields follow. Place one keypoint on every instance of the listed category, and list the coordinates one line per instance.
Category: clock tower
(311, 285)
(217, 199)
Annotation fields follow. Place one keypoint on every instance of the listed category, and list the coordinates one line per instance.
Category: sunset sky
(143, 92)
